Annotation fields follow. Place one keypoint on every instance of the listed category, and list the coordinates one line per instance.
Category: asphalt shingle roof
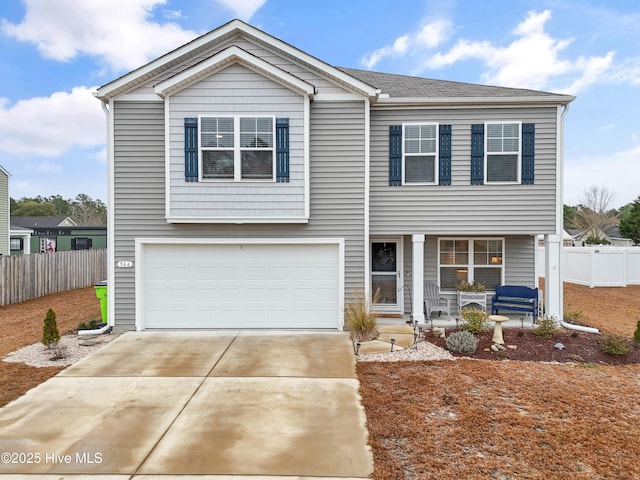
(404, 86)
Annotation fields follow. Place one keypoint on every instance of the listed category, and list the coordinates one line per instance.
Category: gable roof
(42, 222)
(201, 44)
(3, 170)
(378, 87)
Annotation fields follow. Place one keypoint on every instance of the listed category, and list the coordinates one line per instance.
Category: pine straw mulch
(506, 419)
(21, 325)
(452, 419)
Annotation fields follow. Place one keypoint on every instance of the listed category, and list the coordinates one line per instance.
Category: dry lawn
(479, 419)
(452, 419)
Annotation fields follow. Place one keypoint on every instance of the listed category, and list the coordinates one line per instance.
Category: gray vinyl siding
(4, 213)
(462, 208)
(269, 54)
(236, 90)
(337, 192)
(519, 265)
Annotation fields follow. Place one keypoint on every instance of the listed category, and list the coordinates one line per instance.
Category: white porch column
(417, 286)
(553, 276)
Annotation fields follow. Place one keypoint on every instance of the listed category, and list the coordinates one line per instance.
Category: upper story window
(503, 153)
(420, 151)
(237, 148)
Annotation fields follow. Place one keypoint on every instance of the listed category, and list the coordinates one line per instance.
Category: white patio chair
(433, 302)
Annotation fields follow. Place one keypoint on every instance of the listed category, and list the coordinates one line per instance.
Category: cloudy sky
(55, 53)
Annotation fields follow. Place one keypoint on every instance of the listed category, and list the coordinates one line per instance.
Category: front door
(386, 275)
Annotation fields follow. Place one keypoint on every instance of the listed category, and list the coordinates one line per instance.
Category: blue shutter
(395, 155)
(282, 149)
(528, 153)
(444, 150)
(191, 149)
(477, 154)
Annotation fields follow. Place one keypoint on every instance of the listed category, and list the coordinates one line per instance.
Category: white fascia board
(176, 55)
(228, 56)
(238, 220)
(3, 170)
(465, 101)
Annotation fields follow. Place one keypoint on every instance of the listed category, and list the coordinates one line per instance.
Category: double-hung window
(470, 260)
(503, 152)
(420, 153)
(237, 148)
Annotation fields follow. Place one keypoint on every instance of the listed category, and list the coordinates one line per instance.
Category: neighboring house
(610, 234)
(567, 240)
(4, 211)
(254, 185)
(53, 234)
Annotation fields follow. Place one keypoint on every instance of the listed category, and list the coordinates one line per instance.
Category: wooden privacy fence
(28, 276)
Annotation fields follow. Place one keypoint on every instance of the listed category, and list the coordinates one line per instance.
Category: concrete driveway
(171, 404)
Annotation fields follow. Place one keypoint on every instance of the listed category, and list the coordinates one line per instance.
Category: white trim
(474, 101)
(238, 220)
(470, 241)
(518, 179)
(111, 206)
(436, 173)
(223, 59)
(417, 279)
(154, 67)
(338, 97)
(367, 187)
(139, 262)
(167, 157)
(306, 154)
(137, 97)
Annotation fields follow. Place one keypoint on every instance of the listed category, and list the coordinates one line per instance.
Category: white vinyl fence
(597, 266)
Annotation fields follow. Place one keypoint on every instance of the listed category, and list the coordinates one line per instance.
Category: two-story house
(253, 185)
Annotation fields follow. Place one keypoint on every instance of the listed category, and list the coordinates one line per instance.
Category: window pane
(412, 146)
(383, 257)
(428, 145)
(510, 145)
(480, 252)
(217, 164)
(419, 169)
(510, 130)
(494, 130)
(489, 276)
(428, 131)
(450, 276)
(384, 288)
(257, 164)
(502, 168)
(494, 145)
(412, 131)
(256, 132)
(216, 132)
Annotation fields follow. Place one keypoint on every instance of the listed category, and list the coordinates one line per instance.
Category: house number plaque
(124, 264)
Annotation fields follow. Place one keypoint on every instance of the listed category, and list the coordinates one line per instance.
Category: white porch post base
(553, 276)
(418, 277)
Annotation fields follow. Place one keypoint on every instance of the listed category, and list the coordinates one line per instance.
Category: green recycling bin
(101, 293)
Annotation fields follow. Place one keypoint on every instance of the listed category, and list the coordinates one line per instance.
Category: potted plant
(471, 292)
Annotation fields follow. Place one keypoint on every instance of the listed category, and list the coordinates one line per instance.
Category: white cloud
(51, 126)
(119, 32)
(532, 60)
(429, 36)
(46, 167)
(242, 9)
(619, 172)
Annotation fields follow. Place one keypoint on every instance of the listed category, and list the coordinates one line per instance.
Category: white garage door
(239, 286)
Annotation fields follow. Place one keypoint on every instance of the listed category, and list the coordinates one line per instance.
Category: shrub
(573, 316)
(462, 341)
(92, 324)
(636, 334)
(615, 344)
(50, 335)
(546, 327)
(474, 320)
(360, 320)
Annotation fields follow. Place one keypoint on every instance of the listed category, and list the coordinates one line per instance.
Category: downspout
(110, 218)
(566, 325)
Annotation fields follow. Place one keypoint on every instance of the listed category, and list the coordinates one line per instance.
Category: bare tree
(595, 208)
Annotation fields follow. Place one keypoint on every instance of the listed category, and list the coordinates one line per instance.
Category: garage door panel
(240, 286)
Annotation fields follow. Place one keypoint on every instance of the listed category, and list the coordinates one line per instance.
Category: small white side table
(497, 330)
(467, 298)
